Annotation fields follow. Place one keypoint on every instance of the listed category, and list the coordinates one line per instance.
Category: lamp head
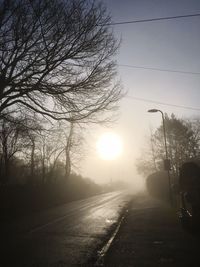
(153, 110)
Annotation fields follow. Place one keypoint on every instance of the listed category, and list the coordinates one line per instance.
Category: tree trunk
(67, 153)
(43, 166)
(32, 171)
(6, 177)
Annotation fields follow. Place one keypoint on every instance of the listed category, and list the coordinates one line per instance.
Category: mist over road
(63, 236)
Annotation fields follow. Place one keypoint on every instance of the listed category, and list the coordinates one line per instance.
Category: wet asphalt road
(64, 236)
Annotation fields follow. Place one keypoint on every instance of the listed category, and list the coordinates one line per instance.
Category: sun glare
(109, 146)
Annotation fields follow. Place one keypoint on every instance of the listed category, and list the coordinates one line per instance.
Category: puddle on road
(110, 221)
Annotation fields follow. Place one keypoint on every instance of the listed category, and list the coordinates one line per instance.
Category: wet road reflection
(64, 236)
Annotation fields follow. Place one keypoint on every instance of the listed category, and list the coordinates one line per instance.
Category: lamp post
(166, 162)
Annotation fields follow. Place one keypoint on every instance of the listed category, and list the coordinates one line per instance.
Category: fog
(166, 45)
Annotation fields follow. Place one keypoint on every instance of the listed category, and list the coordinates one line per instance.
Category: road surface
(64, 236)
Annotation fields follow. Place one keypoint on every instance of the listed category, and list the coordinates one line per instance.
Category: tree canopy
(182, 144)
(56, 59)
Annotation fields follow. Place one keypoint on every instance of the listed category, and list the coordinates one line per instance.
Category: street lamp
(166, 161)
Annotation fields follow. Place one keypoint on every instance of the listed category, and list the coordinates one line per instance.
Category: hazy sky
(169, 44)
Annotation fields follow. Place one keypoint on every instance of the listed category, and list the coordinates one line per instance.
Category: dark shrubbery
(157, 185)
(18, 200)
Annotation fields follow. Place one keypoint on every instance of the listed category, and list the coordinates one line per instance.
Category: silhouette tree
(67, 147)
(33, 129)
(10, 134)
(56, 59)
(182, 144)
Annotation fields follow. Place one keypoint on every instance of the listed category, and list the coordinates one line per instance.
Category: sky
(167, 44)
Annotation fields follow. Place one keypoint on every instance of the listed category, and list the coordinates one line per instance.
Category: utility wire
(151, 19)
(161, 103)
(159, 69)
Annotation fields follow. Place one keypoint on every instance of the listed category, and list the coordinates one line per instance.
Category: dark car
(189, 182)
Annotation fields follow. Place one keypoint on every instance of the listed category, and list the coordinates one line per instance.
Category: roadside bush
(157, 185)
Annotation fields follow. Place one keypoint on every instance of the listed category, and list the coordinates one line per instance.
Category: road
(67, 235)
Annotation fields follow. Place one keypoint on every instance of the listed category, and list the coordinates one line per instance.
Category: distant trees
(56, 59)
(46, 152)
(10, 134)
(183, 138)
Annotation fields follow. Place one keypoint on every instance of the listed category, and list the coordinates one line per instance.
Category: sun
(109, 146)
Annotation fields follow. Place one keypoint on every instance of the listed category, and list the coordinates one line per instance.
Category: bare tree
(10, 134)
(56, 59)
(69, 140)
(73, 149)
(34, 128)
(66, 146)
(182, 145)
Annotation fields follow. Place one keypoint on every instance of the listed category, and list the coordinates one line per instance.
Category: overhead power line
(150, 19)
(161, 103)
(159, 69)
